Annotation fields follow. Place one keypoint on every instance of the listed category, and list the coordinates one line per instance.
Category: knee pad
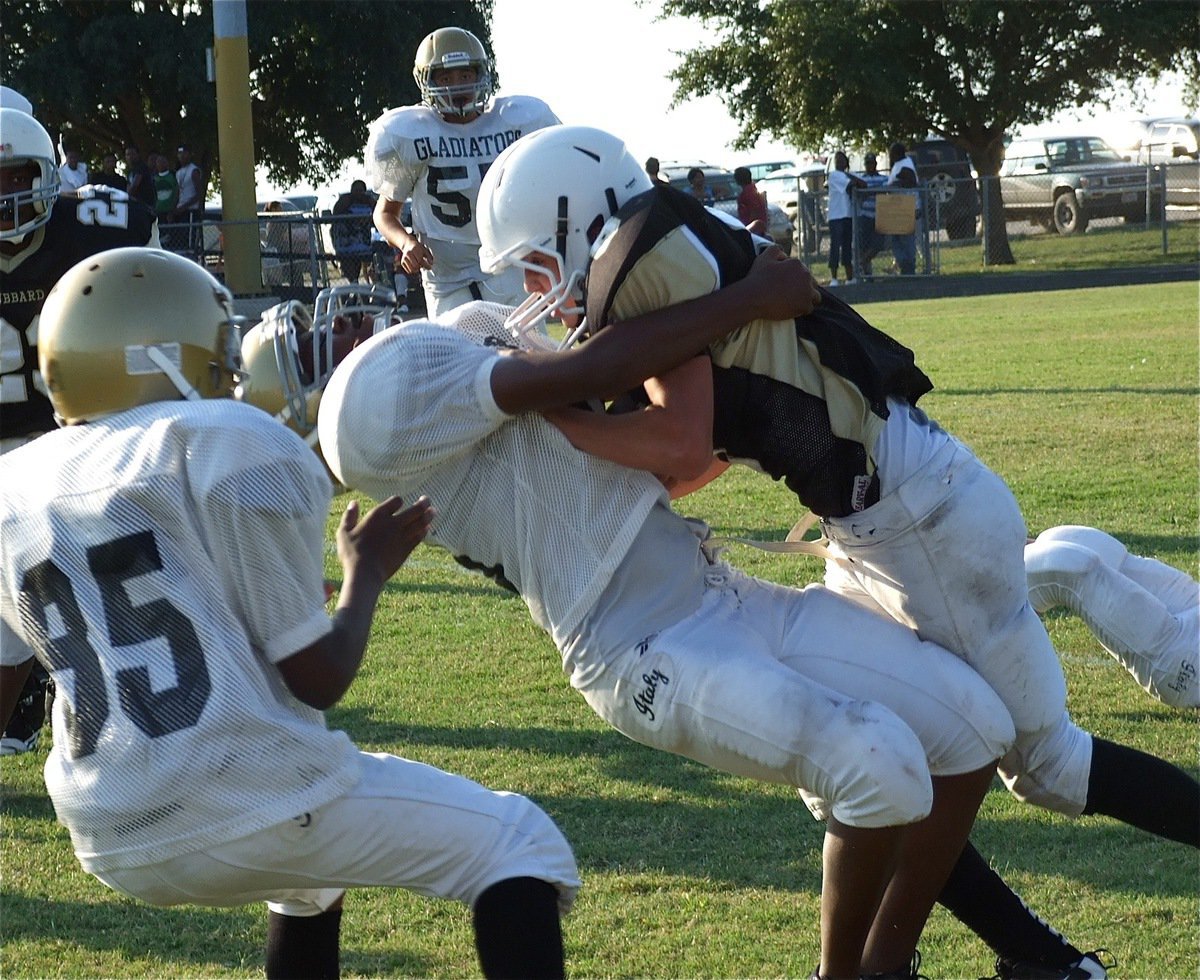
(1054, 569)
(1050, 768)
(1108, 548)
(880, 777)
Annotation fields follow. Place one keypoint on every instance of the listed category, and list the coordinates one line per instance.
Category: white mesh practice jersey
(413, 151)
(411, 412)
(160, 562)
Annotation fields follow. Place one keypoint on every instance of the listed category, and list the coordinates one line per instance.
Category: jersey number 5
(461, 215)
(155, 713)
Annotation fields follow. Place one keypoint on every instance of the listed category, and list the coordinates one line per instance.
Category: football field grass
(1086, 402)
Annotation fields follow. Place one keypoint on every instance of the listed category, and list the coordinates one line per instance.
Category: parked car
(760, 170)
(784, 189)
(1063, 182)
(725, 191)
(1172, 142)
(945, 170)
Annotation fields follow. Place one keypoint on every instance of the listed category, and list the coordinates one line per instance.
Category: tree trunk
(996, 250)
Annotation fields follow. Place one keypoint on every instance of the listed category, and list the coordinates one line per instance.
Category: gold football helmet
(452, 47)
(289, 355)
(132, 326)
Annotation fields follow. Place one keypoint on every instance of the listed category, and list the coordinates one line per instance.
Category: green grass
(1100, 247)
(1086, 402)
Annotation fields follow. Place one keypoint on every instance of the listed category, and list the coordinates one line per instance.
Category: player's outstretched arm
(623, 355)
(371, 550)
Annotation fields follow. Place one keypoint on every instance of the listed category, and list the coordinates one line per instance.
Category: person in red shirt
(751, 202)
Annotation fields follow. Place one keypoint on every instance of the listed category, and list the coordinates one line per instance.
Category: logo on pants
(651, 686)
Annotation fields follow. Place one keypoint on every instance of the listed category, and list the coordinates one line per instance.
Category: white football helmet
(131, 326)
(23, 142)
(550, 193)
(288, 356)
(452, 47)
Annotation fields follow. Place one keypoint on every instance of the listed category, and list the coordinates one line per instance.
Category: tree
(872, 71)
(107, 73)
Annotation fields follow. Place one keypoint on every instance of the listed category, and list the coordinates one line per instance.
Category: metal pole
(235, 138)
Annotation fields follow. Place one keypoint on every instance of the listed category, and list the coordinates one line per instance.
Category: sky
(626, 90)
(605, 63)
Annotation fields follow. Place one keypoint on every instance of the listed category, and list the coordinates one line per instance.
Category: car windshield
(1080, 150)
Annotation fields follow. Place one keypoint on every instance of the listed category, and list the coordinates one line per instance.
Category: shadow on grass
(224, 939)
(778, 843)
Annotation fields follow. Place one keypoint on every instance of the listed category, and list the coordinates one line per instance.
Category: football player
(288, 356)
(1144, 612)
(41, 236)
(830, 407)
(665, 641)
(437, 152)
(191, 759)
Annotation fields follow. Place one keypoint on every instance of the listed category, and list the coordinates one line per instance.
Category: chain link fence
(997, 215)
(301, 253)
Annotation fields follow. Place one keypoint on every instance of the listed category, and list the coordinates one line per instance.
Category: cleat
(1088, 967)
(14, 745)
(909, 972)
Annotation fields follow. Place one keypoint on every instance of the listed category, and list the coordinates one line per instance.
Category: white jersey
(411, 411)
(413, 152)
(160, 562)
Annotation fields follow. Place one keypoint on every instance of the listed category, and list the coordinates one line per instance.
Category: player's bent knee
(534, 847)
(1107, 548)
(880, 776)
(1050, 768)
(1055, 571)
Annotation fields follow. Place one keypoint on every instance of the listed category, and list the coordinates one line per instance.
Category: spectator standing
(751, 202)
(191, 196)
(141, 181)
(437, 153)
(869, 240)
(698, 186)
(107, 176)
(166, 187)
(73, 172)
(352, 235)
(841, 217)
(652, 170)
(903, 175)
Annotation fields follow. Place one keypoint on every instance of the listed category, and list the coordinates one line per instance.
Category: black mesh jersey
(98, 219)
(805, 405)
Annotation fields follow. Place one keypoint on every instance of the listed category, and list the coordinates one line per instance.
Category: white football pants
(943, 554)
(1144, 612)
(801, 687)
(506, 287)
(404, 825)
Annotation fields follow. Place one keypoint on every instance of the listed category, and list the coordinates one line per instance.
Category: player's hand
(783, 287)
(415, 256)
(379, 543)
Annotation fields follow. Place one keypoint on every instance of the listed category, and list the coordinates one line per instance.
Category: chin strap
(157, 357)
